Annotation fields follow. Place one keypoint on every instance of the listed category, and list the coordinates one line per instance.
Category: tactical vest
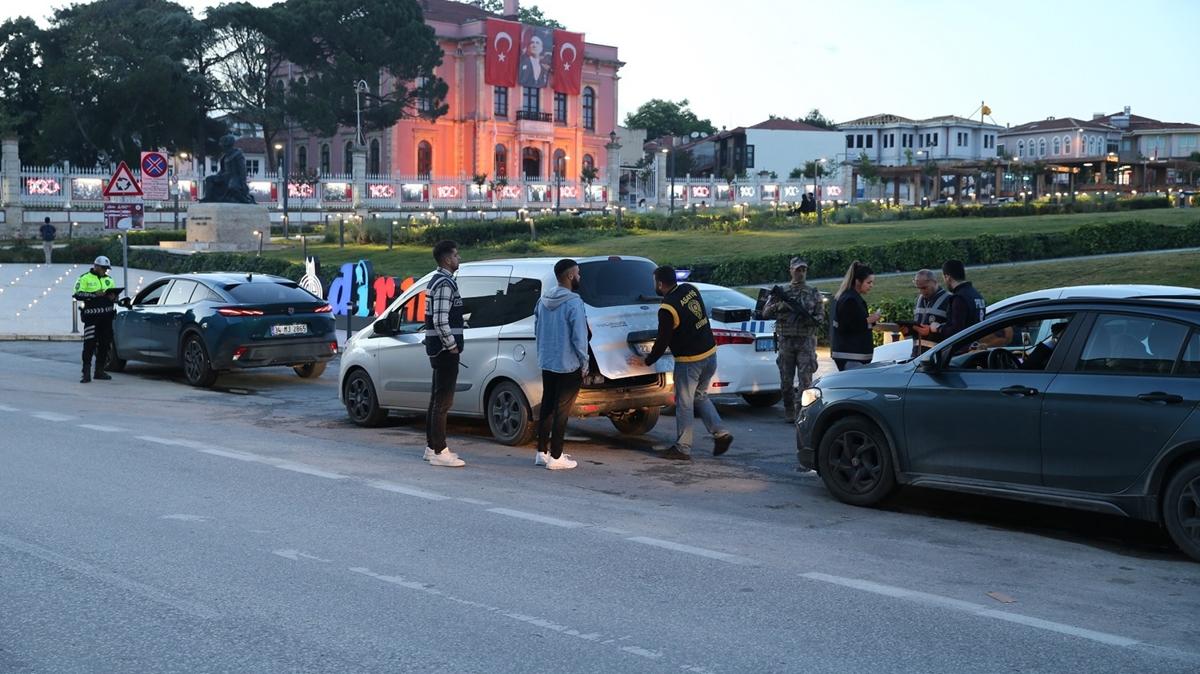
(794, 326)
(976, 306)
(851, 342)
(929, 312)
(692, 339)
(433, 340)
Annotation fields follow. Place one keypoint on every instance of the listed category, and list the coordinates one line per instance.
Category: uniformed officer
(966, 308)
(97, 291)
(931, 309)
(799, 315)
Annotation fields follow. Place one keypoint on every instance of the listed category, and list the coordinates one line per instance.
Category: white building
(773, 146)
(892, 140)
(1060, 140)
(1146, 138)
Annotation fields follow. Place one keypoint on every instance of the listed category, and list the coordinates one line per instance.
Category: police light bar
(682, 274)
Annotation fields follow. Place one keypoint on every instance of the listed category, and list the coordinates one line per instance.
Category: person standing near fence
(97, 291)
(47, 232)
(852, 345)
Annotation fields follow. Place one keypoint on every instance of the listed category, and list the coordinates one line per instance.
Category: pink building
(514, 132)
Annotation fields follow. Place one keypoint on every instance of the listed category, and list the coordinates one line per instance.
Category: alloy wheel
(856, 462)
(506, 413)
(359, 397)
(194, 360)
(1189, 509)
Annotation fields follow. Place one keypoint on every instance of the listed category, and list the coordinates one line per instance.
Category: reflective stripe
(693, 359)
(674, 314)
(435, 333)
(864, 357)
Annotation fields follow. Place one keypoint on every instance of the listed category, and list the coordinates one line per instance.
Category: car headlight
(810, 396)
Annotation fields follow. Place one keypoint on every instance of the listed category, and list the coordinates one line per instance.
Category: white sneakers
(447, 459)
(544, 459)
(428, 454)
(564, 462)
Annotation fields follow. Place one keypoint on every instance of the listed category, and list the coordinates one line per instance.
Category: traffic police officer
(966, 308)
(796, 332)
(931, 309)
(97, 291)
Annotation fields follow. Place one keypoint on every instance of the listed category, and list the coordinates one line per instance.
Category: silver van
(385, 367)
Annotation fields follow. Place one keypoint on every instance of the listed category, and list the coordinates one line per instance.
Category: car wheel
(310, 370)
(1181, 509)
(855, 462)
(762, 399)
(508, 415)
(637, 422)
(197, 367)
(114, 363)
(361, 402)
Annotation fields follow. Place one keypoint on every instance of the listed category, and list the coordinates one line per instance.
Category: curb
(40, 338)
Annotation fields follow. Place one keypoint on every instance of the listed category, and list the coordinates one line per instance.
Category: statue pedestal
(223, 227)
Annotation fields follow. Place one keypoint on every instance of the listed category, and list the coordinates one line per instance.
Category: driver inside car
(1040, 355)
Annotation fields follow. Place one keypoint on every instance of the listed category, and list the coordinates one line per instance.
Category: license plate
(764, 344)
(290, 329)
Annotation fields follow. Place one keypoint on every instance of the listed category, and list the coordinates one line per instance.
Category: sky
(739, 62)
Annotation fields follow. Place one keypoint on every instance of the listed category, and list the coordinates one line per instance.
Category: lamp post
(671, 170)
(818, 167)
(560, 167)
(360, 88)
(259, 234)
(283, 178)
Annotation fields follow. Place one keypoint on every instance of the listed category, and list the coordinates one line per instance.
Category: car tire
(762, 399)
(855, 462)
(197, 366)
(310, 370)
(361, 402)
(508, 415)
(114, 363)
(638, 422)
(1181, 508)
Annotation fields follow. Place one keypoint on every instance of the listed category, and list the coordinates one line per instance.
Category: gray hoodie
(561, 331)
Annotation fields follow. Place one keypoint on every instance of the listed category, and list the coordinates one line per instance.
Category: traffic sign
(154, 176)
(122, 183)
(124, 216)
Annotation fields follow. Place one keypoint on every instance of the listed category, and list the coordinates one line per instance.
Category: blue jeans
(691, 395)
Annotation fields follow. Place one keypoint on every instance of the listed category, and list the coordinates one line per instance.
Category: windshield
(715, 298)
(613, 283)
(269, 293)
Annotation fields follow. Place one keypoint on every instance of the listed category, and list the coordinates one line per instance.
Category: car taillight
(333, 347)
(733, 337)
(235, 311)
(239, 352)
(323, 310)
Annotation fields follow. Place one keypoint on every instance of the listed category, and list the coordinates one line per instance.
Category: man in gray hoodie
(562, 344)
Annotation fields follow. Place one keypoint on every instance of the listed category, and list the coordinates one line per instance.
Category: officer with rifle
(799, 314)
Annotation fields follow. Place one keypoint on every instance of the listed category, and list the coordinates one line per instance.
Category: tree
(1195, 156)
(530, 16)
(810, 170)
(21, 82)
(667, 118)
(815, 118)
(683, 162)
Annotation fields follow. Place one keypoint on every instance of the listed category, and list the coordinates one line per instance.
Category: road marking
(407, 491)
(185, 518)
(97, 573)
(274, 463)
(534, 517)
(691, 550)
(614, 530)
(159, 441)
(101, 429)
(52, 416)
(6, 408)
(973, 608)
(296, 555)
(472, 501)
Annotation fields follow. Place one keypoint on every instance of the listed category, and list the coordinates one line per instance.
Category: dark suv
(1085, 403)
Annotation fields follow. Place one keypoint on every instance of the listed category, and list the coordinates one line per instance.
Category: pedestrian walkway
(35, 299)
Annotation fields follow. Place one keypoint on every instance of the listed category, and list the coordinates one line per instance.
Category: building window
(348, 159)
(424, 159)
(560, 163)
(325, 159)
(560, 108)
(252, 167)
(1041, 147)
(588, 161)
(849, 140)
(531, 163)
(934, 136)
(373, 158)
(1067, 145)
(531, 99)
(1021, 148)
(589, 108)
(500, 161)
(870, 140)
(749, 156)
(302, 159)
(1057, 146)
(500, 101)
(424, 102)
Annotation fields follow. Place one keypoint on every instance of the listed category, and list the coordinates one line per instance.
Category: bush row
(867, 211)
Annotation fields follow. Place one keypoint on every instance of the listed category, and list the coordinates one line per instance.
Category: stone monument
(226, 218)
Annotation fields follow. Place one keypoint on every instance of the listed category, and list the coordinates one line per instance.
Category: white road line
(52, 416)
(974, 609)
(407, 491)
(534, 517)
(472, 501)
(102, 429)
(159, 441)
(296, 555)
(691, 550)
(274, 463)
(6, 408)
(230, 454)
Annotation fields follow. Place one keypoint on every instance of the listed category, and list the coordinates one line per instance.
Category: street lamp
(259, 234)
(283, 174)
(671, 169)
(360, 88)
(558, 176)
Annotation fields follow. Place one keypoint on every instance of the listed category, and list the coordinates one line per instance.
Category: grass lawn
(1001, 281)
(691, 247)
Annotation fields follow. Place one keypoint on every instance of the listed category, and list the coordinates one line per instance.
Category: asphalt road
(148, 526)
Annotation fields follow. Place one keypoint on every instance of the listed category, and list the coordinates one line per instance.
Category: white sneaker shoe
(428, 454)
(539, 458)
(447, 459)
(563, 462)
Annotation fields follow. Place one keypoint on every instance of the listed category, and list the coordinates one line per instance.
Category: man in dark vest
(967, 306)
(930, 311)
(684, 327)
(444, 345)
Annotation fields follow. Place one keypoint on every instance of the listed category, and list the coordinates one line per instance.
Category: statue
(228, 186)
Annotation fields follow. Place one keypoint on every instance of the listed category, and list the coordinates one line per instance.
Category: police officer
(966, 308)
(796, 333)
(931, 310)
(97, 291)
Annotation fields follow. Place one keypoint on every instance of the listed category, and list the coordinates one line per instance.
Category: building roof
(1139, 123)
(453, 12)
(1058, 124)
(878, 120)
(780, 124)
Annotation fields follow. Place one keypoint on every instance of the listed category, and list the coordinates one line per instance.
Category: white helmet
(102, 261)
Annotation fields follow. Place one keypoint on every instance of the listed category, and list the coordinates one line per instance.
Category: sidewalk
(35, 299)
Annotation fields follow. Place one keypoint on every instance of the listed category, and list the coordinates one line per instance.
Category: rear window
(714, 298)
(269, 293)
(613, 283)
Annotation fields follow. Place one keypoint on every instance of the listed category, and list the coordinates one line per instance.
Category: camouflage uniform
(796, 337)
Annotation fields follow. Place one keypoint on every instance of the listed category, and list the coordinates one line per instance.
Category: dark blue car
(1084, 403)
(215, 322)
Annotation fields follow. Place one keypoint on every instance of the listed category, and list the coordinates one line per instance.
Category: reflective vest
(692, 340)
(96, 308)
(433, 339)
(929, 312)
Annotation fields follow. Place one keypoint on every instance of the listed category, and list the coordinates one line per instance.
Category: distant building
(1060, 139)
(772, 146)
(1146, 138)
(892, 140)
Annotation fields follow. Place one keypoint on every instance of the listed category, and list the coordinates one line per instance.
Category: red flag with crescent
(503, 53)
(568, 62)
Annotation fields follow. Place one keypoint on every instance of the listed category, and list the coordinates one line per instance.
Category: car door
(130, 331)
(404, 371)
(486, 309)
(1124, 393)
(164, 324)
(965, 419)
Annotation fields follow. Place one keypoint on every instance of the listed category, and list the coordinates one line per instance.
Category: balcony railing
(534, 116)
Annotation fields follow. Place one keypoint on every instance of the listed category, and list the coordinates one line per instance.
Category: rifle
(798, 311)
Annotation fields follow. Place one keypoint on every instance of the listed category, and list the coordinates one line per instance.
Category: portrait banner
(537, 56)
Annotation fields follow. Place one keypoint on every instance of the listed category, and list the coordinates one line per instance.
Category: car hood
(863, 376)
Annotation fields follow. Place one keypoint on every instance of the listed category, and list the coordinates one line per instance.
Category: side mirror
(387, 326)
(928, 365)
(125, 302)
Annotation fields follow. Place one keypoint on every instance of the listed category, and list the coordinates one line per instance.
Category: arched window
(1067, 145)
(325, 159)
(302, 159)
(589, 161)
(348, 159)
(424, 159)
(500, 161)
(1041, 147)
(1057, 146)
(373, 158)
(589, 108)
(560, 163)
(531, 163)
(1021, 148)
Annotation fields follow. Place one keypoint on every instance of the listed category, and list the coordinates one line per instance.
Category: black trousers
(445, 377)
(97, 340)
(559, 391)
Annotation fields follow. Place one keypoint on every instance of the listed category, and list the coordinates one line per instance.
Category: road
(148, 526)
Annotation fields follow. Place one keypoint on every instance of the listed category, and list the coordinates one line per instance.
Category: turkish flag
(503, 58)
(567, 76)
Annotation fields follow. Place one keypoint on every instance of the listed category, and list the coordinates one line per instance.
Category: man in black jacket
(967, 306)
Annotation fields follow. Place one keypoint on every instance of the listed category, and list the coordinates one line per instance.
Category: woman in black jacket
(852, 345)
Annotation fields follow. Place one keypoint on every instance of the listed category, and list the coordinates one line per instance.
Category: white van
(385, 367)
